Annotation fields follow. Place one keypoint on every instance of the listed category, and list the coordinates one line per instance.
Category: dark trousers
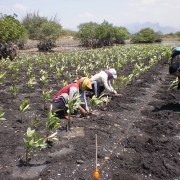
(97, 88)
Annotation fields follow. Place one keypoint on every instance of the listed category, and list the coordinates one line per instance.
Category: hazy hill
(135, 27)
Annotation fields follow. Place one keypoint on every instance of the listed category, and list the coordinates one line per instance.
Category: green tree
(40, 28)
(177, 33)
(105, 32)
(11, 29)
(121, 34)
(86, 31)
(145, 35)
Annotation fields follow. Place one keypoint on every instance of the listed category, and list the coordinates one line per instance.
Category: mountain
(135, 27)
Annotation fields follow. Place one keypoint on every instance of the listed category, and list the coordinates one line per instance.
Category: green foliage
(53, 122)
(13, 90)
(23, 107)
(174, 84)
(1, 116)
(50, 30)
(11, 29)
(32, 142)
(104, 31)
(73, 104)
(40, 28)
(177, 33)
(87, 31)
(2, 77)
(46, 95)
(94, 101)
(145, 35)
(121, 34)
(98, 100)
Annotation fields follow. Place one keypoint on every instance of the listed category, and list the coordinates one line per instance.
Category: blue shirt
(176, 49)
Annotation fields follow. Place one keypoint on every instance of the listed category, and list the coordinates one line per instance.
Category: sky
(72, 13)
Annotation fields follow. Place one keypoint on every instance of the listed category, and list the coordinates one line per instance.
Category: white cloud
(86, 15)
(21, 7)
(147, 2)
(3, 7)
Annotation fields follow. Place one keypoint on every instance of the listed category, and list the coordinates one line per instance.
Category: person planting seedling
(61, 98)
(101, 81)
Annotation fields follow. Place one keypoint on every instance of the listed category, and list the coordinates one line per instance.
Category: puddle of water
(29, 172)
(63, 151)
(75, 132)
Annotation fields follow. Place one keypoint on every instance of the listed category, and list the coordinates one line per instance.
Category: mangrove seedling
(73, 104)
(173, 84)
(13, 90)
(98, 100)
(23, 107)
(2, 77)
(1, 116)
(52, 123)
(44, 81)
(31, 84)
(59, 73)
(30, 71)
(32, 142)
(35, 122)
(46, 96)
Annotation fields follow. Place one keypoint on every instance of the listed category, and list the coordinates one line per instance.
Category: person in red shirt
(61, 98)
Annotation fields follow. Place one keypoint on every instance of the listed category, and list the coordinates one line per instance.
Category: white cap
(113, 72)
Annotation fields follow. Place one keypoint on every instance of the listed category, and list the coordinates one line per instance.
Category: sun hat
(113, 72)
(175, 67)
(84, 83)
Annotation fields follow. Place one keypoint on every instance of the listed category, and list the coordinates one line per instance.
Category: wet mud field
(138, 135)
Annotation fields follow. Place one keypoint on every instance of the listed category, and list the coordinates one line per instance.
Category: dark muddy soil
(138, 134)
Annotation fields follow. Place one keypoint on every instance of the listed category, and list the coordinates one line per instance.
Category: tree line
(91, 34)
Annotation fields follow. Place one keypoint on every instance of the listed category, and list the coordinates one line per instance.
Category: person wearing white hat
(101, 81)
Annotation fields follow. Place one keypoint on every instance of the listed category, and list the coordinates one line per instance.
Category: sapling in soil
(173, 84)
(30, 84)
(13, 90)
(32, 142)
(2, 77)
(52, 123)
(59, 73)
(44, 81)
(73, 104)
(30, 71)
(64, 83)
(121, 80)
(1, 116)
(98, 100)
(46, 96)
(24, 106)
(14, 78)
(35, 122)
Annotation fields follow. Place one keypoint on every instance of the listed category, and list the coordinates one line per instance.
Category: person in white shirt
(101, 81)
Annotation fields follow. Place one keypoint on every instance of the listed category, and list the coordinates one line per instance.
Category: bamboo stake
(96, 172)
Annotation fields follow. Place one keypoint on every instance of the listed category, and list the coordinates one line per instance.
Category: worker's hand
(118, 95)
(83, 112)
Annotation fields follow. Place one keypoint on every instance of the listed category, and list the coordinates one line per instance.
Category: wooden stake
(96, 172)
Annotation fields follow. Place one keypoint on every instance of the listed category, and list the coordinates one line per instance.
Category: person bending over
(61, 98)
(101, 81)
(175, 52)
